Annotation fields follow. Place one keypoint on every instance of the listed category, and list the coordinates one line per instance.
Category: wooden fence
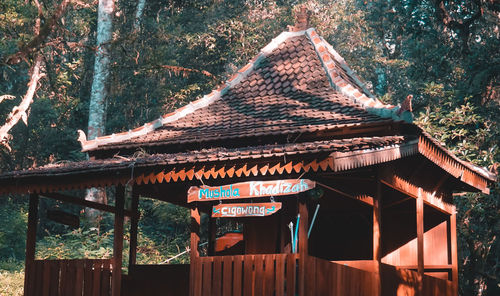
(245, 275)
(69, 277)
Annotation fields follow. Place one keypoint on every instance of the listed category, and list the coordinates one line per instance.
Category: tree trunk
(138, 14)
(99, 92)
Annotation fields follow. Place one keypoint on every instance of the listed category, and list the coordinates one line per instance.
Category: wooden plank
(310, 276)
(361, 198)
(259, 275)
(134, 222)
(212, 228)
(291, 274)
(195, 268)
(237, 275)
(454, 256)
(54, 278)
(269, 272)
(197, 265)
(106, 278)
(31, 244)
(227, 280)
(63, 277)
(38, 276)
(207, 275)
(96, 277)
(420, 241)
(118, 241)
(87, 280)
(217, 276)
(46, 278)
(79, 266)
(280, 275)
(303, 246)
(248, 275)
(85, 203)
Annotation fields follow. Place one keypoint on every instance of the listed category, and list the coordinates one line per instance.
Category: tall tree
(99, 91)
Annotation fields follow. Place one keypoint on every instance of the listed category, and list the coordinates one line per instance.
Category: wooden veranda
(376, 217)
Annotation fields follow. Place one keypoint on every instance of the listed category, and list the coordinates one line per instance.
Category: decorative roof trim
(192, 106)
(365, 98)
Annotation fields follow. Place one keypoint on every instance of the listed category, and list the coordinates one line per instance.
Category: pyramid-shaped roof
(296, 84)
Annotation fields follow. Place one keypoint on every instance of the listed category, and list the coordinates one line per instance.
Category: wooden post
(194, 268)
(134, 221)
(420, 240)
(212, 228)
(118, 241)
(31, 245)
(377, 237)
(303, 249)
(454, 258)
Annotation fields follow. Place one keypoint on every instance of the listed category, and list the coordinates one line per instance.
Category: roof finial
(301, 19)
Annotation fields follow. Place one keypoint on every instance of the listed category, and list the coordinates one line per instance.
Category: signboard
(250, 189)
(245, 209)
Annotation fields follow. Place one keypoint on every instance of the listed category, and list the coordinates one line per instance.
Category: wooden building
(293, 139)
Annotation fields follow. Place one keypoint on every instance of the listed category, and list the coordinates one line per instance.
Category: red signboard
(250, 189)
(245, 209)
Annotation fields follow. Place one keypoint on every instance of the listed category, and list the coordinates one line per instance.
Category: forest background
(169, 52)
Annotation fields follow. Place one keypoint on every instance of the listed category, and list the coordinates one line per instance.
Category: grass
(11, 278)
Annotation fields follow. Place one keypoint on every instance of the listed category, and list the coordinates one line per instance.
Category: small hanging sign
(250, 189)
(245, 209)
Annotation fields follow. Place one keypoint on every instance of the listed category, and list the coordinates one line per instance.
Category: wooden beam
(118, 241)
(134, 221)
(377, 237)
(29, 288)
(303, 247)
(212, 228)
(420, 242)
(361, 198)
(391, 179)
(454, 257)
(194, 266)
(85, 203)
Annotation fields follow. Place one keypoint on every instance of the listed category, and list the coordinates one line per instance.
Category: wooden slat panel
(63, 278)
(79, 278)
(237, 275)
(88, 279)
(105, 279)
(269, 275)
(217, 276)
(38, 276)
(54, 278)
(96, 277)
(259, 275)
(310, 277)
(227, 280)
(46, 278)
(280, 275)
(248, 275)
(291, 275)
(207, 275)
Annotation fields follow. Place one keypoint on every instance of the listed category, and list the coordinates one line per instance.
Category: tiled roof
(296, 84)
(210, 155)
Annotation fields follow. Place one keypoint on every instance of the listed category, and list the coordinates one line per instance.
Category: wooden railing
(69, 277)
(247, 275)
(324, 277)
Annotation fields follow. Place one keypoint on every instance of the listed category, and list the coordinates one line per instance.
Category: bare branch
(6, 97)
(19, 112)
(40, 36)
